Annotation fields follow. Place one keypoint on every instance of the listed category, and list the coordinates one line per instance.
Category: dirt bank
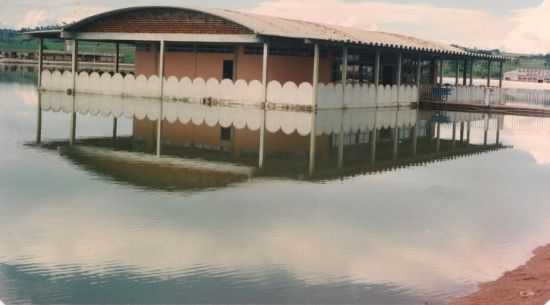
(526, 285)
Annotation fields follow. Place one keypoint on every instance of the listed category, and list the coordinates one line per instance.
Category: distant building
(528, 75)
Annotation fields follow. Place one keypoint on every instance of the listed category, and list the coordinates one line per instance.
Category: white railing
(330, 96)
(464, 95)
(529, 97)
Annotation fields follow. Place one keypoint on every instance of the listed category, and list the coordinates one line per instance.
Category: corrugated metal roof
(290, 28)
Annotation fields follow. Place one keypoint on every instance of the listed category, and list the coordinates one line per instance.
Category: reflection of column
(39, 119)
(468, 131)
(454, 135)
(486, 130)
(341, 143)
(438, 138)
(312, 139)
(499, 126)
(161, 102)
(373, 137)
(72, 139)
(414, 140)
(462, 132)
(395, 143)
(115, 127)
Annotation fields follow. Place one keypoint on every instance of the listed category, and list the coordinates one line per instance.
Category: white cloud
(39, 17)
(519, 32)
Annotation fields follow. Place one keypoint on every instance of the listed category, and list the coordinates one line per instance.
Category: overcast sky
(514, 25)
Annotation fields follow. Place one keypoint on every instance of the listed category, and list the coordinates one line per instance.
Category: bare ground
(526, 285)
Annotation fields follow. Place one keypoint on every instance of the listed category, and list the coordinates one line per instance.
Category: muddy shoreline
(528, 284)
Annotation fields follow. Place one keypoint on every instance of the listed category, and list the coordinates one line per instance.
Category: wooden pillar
(377, 73)
(161, 106)
(40, 61)
(264, 98)
(39, 119)
(314, 109)
(344, 74)
(489, 73)
(117, 58)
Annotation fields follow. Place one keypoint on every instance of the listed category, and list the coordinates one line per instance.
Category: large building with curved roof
(221, 57)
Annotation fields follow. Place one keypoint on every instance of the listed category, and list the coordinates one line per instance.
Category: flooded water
(412, 217)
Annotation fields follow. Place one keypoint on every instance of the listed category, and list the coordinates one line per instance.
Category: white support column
(501, 74)
(314, 110)
(399, 74)
(489, 73)
(344, 74)
(74, 65)
(117, 58)
(161, 106)
(472, 72)
(40, 62)
(377, 73)
(441, 72)
(457, 73)
(418, 80)
(261, 151)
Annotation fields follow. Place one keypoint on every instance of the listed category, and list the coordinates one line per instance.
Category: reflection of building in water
(219, 145)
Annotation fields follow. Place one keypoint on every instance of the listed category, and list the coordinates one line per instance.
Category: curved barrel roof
(270, 26)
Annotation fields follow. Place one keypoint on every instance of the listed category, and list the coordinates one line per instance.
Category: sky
(512, 25)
